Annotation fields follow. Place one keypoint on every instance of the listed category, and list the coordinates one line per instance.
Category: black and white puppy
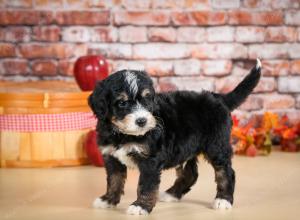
(138, 128)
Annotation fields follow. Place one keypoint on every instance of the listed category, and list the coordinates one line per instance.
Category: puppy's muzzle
(138, 122)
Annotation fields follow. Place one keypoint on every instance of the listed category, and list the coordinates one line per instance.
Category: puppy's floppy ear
(97, 100)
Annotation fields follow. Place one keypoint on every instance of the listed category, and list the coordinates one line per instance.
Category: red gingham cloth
(47, 122)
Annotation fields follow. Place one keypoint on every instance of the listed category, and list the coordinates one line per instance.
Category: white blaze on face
(131, 80)
(128, 124)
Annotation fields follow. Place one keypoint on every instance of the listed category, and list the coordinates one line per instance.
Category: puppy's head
(127, 100)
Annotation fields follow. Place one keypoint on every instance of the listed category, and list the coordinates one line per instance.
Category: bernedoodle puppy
(138, 128)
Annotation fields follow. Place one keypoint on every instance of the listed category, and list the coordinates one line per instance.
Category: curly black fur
(187, 124)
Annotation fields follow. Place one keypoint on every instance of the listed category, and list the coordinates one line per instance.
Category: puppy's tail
(236, 97)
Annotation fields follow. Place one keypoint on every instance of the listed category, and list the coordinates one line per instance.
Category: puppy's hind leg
(186, 177)
(116, 176)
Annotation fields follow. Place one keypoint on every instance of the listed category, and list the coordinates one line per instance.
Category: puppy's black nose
(141, 122)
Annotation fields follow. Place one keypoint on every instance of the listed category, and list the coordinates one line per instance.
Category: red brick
(113, 51)
(275, 67)
(268, 51)
(191, 34)
(160, 51)
(133, 34)
(227, 84)
(162, 34)
(253, 102)
(136, 4)
(187, 67)
(82, 17)
(250, 34)
(289, 84)
(17, 17)
(46, 33)
(295, 67)
(7, 50)
(226, 4)
(44, 67)
(292, 17)
(209, 17)
(199, 18)
(219, 51)
(66, 67)
(15, 67)
(238, 17)
(53, 50)
(294, 51)
(280, 34)
(17, 34)
(185, 83)
(19, 3)
(76, 34)
(217, 67)
(104, 34)
(278, 101)
(265, 4)
(220, 34)
(157, 18)
(49, 3)
(159, 68)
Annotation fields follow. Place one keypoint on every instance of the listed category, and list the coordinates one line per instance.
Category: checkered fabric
(47, 122)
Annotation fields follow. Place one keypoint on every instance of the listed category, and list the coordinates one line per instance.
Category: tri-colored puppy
(150, 131)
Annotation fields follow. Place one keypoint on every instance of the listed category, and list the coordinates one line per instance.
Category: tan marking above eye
(123, 96)
(145, 92)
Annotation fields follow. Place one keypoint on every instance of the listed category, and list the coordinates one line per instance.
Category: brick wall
(184, 44)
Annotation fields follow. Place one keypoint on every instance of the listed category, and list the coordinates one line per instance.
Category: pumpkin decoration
(91, 149)
(90, 69)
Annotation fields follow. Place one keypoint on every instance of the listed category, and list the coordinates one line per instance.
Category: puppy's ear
(97, 100)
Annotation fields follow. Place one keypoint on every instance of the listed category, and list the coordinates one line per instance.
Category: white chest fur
(122, 153)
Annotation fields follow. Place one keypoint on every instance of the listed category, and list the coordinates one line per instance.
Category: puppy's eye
(122, 104)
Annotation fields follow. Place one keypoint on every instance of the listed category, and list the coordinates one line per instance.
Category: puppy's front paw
(100, 203)
(221, 204)
(136, 210)
(167, 197)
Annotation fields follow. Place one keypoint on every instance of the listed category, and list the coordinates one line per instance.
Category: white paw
(136, 210)
(99, 203)
(221, 204)
(166, 197)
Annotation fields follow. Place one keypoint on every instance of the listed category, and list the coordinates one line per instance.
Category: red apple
(251, 151)
(90, 69)
(91, 149)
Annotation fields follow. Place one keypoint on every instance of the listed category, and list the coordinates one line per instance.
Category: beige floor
(267, 188)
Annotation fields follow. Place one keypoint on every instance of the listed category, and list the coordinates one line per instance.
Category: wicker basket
(48, 147)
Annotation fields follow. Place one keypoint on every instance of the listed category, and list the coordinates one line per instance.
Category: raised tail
(236, 97)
